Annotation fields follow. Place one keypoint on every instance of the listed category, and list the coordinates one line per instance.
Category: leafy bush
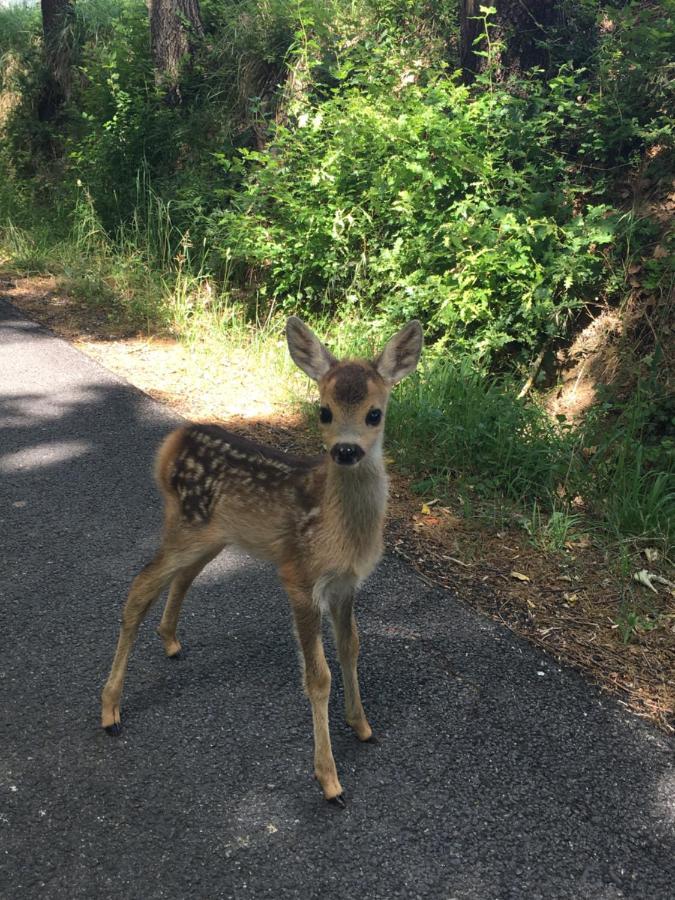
(408, 197)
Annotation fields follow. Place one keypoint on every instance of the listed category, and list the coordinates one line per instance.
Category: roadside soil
(579, 604)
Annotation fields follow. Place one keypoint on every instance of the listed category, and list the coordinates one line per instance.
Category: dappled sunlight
(393, 630)
(17, 409)
(208, 375)
(42, 455)
(260, 817)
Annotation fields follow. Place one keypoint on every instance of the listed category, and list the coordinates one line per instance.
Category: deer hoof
(371, 740)
(114, 730)
(338, 801)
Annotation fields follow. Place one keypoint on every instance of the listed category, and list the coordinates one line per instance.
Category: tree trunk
(518, 29)
(57, 58)
(174, 27)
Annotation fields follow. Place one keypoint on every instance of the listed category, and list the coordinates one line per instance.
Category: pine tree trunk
(57, 58)
(174, 27)
(518, 29)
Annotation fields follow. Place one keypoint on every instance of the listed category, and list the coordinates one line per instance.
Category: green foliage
(116, 122)
(385, 187)
(410, 200)
(450, 420)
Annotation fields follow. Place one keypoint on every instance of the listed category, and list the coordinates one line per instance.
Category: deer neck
(356, 499)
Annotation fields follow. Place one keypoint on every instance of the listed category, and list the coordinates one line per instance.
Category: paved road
(497, 775)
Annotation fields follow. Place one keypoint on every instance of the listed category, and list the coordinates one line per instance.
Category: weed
(551, 532)
(25, 251)
(633, 624)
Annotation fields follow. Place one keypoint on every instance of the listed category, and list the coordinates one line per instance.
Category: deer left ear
(401, 353)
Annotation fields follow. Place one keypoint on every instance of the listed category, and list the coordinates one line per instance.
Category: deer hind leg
(317, 681)
(179, 588)
(347, 640)
(145, 589)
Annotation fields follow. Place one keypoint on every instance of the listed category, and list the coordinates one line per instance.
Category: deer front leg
(347, 640)
(317, 680)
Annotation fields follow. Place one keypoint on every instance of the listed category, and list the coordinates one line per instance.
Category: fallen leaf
(660, 252)
(520, 576)
(570, 598)
(651, 554)
(432, 520)
(644, 577)
(426, 510)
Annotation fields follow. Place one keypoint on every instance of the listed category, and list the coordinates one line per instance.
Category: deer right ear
(307, 351)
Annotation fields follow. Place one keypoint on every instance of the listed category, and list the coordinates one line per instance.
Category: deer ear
(306, 349)
(401, 353)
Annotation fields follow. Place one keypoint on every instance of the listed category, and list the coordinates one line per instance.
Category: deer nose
(347, 454)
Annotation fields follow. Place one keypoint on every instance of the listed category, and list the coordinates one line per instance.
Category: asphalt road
(497, 773)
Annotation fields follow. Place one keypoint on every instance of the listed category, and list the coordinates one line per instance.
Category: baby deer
(320, 521)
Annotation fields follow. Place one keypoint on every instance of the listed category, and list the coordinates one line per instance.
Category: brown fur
(320, 522)
(350, 381)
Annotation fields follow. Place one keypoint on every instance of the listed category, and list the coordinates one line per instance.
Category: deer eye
(374, 417)
(325, 415)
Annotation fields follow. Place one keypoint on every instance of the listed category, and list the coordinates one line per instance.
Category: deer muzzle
(347, 454)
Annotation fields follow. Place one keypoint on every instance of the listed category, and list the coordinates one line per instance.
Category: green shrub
(416, 199)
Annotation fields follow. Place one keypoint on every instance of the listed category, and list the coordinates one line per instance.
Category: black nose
(346, 454)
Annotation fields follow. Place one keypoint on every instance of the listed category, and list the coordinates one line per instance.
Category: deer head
(354, 392)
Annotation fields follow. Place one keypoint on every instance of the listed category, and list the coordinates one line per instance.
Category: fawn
(320, 521)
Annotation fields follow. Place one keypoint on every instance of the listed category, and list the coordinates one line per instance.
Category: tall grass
(451, 421)
(633, 466)
(148, 277)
